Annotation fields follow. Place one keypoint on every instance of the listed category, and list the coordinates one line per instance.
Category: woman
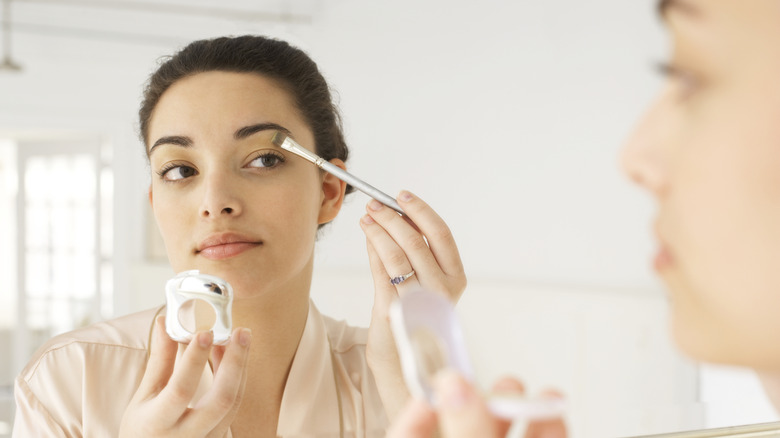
(708, 151)
(229, 203)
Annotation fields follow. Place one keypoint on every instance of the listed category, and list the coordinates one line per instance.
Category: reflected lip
(226, 244)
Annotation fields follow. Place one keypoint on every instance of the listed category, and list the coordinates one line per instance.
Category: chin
(719, 344)
(695, 339)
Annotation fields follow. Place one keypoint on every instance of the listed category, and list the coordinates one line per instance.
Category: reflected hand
(396, 245)
(463, 413)
(160, 405)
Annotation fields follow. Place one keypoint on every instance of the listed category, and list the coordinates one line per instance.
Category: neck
(771, 382)
(277, 319)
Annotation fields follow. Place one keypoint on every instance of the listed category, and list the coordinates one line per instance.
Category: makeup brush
(285, 142)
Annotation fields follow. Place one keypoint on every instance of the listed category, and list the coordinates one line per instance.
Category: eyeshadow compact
(190, 298)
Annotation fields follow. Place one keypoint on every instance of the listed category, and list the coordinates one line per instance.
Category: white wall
(505, 116)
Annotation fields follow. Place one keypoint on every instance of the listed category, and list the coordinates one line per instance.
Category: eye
(266, 160)
(686, 82)
(175, 172)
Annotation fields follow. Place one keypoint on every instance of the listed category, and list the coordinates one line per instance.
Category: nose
(643, 157)
(220, 197)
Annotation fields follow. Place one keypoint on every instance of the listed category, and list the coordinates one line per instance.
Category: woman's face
(709, 152)
(227, 201)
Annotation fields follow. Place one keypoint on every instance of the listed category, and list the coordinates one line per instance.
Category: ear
(333, 192)
(151, 197)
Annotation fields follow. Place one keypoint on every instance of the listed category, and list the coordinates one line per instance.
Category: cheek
(170, 221)
(725, 204)
(295, 204)
(726, 184)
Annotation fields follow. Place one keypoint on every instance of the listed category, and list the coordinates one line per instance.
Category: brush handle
(361, 185)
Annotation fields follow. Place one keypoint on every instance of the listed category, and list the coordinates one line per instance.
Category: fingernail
(205, 339)
(367, 219)
(375, 205)
(405, 196)
(452, 390)
(245, 337)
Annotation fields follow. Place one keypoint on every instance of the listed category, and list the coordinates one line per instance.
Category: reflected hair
(289, 66)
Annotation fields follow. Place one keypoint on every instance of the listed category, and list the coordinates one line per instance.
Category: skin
(461, 412)
(230, 203)
(423, 243)
(708, 151)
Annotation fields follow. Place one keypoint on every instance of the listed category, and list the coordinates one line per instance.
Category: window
(56, 199)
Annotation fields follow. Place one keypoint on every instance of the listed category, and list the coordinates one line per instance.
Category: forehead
(227, 88)
(732, 29)
(219, 101)
(737, 11)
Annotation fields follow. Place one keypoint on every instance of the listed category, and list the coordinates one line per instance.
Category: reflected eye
(177, 172)
(266, 160)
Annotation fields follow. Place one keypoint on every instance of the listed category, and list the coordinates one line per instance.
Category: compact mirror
(188, 296)
(429, 339)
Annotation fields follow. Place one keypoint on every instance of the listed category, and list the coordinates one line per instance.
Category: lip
(225, 245)
(663, 258)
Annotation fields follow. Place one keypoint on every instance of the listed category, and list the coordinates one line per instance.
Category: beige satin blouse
(79, 383)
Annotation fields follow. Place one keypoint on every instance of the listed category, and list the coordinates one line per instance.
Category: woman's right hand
(160, 406)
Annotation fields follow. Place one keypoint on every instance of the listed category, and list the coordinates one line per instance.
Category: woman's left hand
(421, 243)
(463, 413)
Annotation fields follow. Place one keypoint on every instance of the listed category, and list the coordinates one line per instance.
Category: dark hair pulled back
(274, 59)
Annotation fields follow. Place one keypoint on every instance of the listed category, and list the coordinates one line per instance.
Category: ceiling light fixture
(7, 63)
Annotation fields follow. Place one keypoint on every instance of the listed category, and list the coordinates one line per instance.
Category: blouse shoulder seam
(55, 348)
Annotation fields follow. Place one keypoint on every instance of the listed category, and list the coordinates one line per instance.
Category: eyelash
(688, 81)
(167, 168)
(266, 154)
(259, 155)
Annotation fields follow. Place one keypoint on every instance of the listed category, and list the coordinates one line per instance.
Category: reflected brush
(285, 142)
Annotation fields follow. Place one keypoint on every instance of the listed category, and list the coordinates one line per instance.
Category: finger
(395, 258)
(400, 246)
(161, 361)
(225, 394)
(384, 293)
(506, 385)
(546, 429)
(551, 393)
(462, 412)
(227, 421)
(186, 374)
(412, 265)
(433, 227)
(416, 420)
(388, 266)
(217, 353)
(554, 428)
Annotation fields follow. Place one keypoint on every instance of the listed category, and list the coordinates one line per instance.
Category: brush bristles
(278, 139)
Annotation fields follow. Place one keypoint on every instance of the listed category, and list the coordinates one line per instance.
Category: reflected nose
(220, 197)
(642, 158)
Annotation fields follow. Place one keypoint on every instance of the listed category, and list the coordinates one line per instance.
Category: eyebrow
(240, 134)
(667, 6)
(246, 131)
(178, 140)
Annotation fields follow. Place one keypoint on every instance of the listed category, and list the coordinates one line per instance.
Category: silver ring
(395, 281)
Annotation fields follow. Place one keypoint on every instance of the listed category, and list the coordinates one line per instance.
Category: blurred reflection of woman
(708, 151)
